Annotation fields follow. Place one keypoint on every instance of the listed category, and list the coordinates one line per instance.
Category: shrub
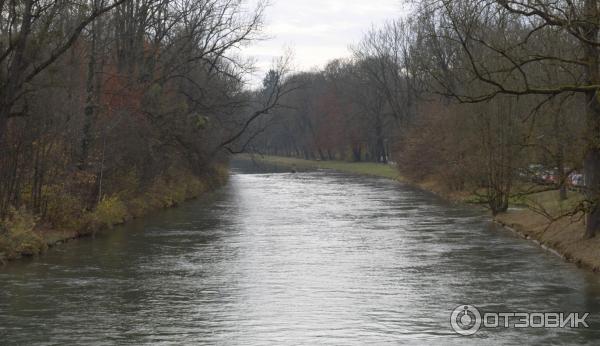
(176, 193)
(109, 212)
(166, 192)
(220, 174)
(195, 187)
(126, 184)
(139, 206)
(64, 210)
(18, 236)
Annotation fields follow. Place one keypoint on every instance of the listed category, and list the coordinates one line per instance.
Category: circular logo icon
(465, 320)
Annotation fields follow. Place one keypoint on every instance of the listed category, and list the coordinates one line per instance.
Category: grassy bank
(24, 235)
(563, 237)
(363, 168)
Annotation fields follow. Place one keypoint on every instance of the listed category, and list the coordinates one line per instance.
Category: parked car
(550, 177)
(576, 180)
(536, 173)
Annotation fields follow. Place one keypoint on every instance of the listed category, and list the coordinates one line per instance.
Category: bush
(125, 184)
(175, 193)
(195, 187)
(166, 192)
(109, 212)
(64, 210)
(18, 236)
(139, 206)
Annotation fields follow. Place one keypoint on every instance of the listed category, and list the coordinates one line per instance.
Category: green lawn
(547, 200)
(365, 168)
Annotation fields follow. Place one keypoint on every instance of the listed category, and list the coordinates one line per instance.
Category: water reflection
(281, 258)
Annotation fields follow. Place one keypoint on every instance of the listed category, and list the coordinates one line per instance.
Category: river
(284, 259)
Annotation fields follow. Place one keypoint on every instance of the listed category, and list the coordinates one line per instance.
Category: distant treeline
(482, 96)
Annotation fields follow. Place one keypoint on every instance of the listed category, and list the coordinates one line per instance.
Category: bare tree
(502, 48)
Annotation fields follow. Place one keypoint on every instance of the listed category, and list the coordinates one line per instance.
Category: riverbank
(563, 237)
(25, 236)
(363, 168)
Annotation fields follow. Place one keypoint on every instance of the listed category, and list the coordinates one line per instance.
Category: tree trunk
(8, 93)
(592, 188)
(592, 157)
(379, 152)
(90, 106)
(558, 127)
(561, 174)
(562, 192)
(3, 129)
(357, 152)
(321, 155)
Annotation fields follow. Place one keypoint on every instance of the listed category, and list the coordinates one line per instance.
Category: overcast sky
(317, 30)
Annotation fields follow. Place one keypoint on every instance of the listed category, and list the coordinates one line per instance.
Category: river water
(285, 259)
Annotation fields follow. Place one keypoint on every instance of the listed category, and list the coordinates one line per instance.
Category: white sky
(317, 30)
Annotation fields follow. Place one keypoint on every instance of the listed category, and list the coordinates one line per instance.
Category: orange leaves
(120, 92)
